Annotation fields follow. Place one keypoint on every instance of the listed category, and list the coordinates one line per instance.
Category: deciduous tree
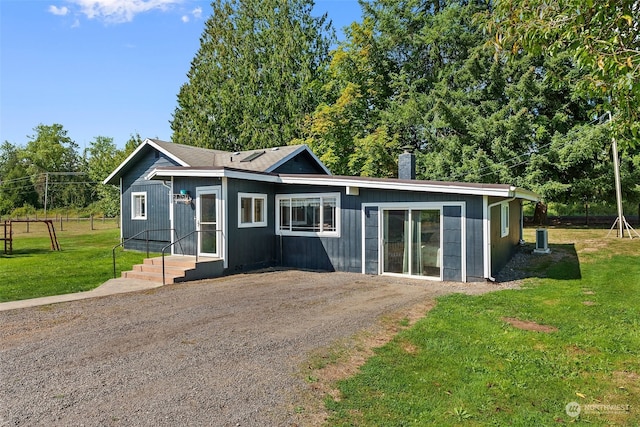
(602, 36)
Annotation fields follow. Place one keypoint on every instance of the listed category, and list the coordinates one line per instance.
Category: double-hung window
(139, 205)
(252, 210)
(308, 214)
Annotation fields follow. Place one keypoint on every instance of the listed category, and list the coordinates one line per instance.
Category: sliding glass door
(411, 242)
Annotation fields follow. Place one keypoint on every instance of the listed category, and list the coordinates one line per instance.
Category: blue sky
(103, 67)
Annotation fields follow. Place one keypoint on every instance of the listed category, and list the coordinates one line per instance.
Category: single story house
(282, 207)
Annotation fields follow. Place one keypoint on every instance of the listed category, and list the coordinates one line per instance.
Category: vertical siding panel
(133, 180)
(452, 256)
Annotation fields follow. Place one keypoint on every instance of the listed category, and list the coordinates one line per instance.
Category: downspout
(487, 249)
(171, 231)
(521, 241)
(121, 210)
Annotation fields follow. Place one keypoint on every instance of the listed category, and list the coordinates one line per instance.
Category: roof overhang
(491, 190)
(162, 173)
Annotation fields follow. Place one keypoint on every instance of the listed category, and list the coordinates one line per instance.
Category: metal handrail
(113, 251)
(177, 241)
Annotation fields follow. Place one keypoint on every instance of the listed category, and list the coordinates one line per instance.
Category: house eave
(219, 172)
(493, 190)
(112, 178)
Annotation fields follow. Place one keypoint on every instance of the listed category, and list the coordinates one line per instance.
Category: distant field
(84, 262)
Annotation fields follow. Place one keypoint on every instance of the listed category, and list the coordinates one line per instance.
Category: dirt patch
(352, 354)
(528, 325)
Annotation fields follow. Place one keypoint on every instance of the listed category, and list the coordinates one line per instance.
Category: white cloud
(118, 11)
(196, 13)
(59, 11)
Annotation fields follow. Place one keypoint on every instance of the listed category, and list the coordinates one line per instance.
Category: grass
(84, 262)
(465, 364)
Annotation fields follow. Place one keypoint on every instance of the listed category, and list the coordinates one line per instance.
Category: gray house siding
(371, 241)
(451, 245)
(251, 247)
(344, 253)
(502, 248)
(473, 224)
(157, 205)
(184, 214)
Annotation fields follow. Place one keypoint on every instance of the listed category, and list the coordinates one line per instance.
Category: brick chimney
(407, 163)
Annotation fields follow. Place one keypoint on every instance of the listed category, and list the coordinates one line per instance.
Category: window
(308, 214)
(252, 210)
(504, 219)
(139, 205)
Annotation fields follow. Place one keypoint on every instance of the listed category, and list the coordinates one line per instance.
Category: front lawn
(470, 362)
(84, 262)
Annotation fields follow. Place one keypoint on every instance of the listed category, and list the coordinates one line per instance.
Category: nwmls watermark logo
(574, 409)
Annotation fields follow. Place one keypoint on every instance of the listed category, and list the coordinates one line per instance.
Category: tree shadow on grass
(26, 252)
(561, 264)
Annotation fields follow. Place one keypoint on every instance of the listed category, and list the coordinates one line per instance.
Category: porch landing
(177, 268)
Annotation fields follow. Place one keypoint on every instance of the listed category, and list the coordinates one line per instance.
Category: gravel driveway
(224, 352)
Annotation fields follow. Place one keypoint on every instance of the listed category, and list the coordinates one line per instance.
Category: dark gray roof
(261, 160)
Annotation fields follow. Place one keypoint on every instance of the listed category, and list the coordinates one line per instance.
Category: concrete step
(176, 268)
(172, 261)
(150, 276)
(168, 269)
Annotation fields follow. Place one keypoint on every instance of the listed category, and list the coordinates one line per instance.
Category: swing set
(7, 236)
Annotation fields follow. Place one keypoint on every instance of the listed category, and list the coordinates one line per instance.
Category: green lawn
(85, 261)
(465, 364)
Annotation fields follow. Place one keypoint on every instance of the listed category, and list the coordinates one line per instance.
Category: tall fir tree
(257, 74)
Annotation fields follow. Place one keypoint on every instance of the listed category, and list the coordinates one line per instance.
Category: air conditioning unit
(542, 241)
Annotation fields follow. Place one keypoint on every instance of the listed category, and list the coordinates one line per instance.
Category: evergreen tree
(258, 72)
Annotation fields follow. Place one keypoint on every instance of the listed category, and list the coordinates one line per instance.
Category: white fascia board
(299, 150)
(521, 193)
(391, 185)
(217, 173)
(135, 153)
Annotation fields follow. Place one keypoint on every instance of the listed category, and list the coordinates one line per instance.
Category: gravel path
(224, 352)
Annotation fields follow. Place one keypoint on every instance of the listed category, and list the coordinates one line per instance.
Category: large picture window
(252, 210)
(139, 205)
(308, 214)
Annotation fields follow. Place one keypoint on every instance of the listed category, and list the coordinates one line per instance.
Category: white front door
(208, 221)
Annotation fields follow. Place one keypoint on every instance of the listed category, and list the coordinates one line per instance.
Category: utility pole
(621, 220)
(616, 172)
(46, 190)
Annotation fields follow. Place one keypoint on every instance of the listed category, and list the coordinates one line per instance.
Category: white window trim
(253, 197)
(321, 233)
(135, 194)
(504, 219)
